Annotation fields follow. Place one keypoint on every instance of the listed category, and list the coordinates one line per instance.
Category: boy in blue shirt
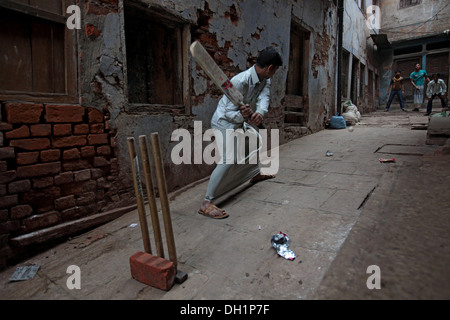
(418, 81)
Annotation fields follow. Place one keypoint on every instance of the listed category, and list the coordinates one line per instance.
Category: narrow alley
(343, 213)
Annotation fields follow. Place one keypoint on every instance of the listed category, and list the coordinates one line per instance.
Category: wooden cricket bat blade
(209, 66)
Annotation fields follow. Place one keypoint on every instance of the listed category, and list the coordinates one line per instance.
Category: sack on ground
(337, 122)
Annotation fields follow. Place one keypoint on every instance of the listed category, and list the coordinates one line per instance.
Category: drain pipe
(339, 55)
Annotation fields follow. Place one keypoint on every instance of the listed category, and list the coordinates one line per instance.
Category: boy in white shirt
(254, 84)
(436, 88)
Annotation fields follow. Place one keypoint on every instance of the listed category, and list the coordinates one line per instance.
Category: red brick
(38, 170)
(74, 165)
(4, 216)
(86, 199)
(40, 130)
(93, 8)
(153, 271)
(8, 201)
(3, 166)
(21, 132)
(9, 226)
(64, 177)
(31, 144)
(20, 212)
(81, 129)
(101, 138)
(82, 175)
(19, 186)
(91, 31)
(70, 141)
(7, 153)
(42, 182)
(65, 202)
(4, 126)
(27, 157)
(50, 155)
(40, 221)
(113, 142)
(72, 213)
(100, 162)
(96, 173)
(62, 129)
(88, 151)
(71, 154)
(62, 113)
(103, 151)
(97, 128)
(79, 187)
(23, 112)
(41, 198)
(7, 176)
(95, 116)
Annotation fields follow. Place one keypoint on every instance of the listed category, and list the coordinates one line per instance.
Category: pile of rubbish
(350, 113)
(350, 116)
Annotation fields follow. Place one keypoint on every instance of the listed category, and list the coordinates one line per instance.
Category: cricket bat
(207, 63)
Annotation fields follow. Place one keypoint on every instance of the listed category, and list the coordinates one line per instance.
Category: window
(438, 45)
(157, 59)
(409, 3)
(407, 50)
(37, 56)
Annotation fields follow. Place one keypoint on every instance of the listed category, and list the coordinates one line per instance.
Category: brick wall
(57, 163)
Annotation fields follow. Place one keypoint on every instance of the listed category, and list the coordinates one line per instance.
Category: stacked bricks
(57, 163)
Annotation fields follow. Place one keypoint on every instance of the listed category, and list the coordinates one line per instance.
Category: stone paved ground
(343, 213)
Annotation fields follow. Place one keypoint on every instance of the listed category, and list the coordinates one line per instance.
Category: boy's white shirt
(436, 88)
(256, 93)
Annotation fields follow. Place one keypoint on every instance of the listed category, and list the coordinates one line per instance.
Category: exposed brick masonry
(57, 163)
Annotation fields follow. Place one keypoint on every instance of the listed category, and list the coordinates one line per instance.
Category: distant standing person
(418, 77)
(397, 89)
(436, 88)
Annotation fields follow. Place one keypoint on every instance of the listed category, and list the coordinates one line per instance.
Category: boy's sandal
(208, 212)
(262, 178)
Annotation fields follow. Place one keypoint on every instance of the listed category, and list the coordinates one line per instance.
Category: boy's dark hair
(269, 56)
(436, 75)
(398, 71)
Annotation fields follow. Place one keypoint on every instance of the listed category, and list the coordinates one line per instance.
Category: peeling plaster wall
(357, 41)
(320, 18)
(429, 17)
